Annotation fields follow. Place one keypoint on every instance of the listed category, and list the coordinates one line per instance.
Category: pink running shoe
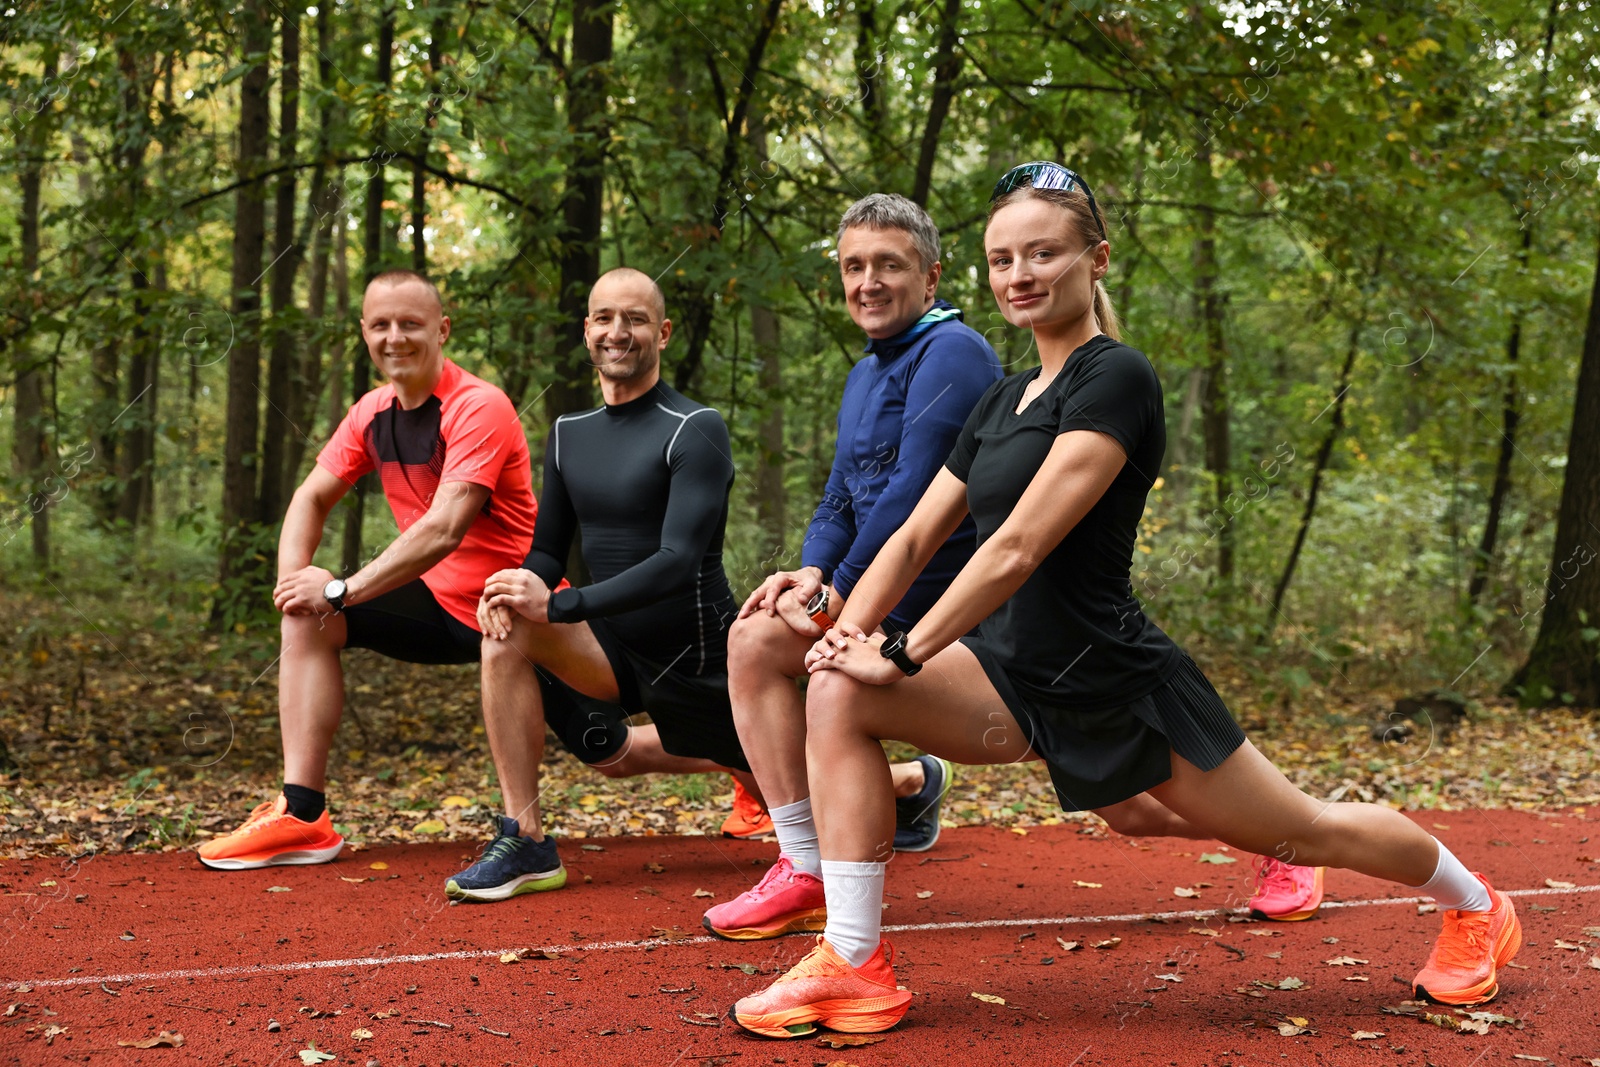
(1286, 893)
(785, 901)
(823, 989)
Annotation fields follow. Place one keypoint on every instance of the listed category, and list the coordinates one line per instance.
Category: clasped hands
(854, 652)
(510, 593)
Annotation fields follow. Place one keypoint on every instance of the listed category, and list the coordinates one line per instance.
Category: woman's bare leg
(1248, 803)
(949, 709)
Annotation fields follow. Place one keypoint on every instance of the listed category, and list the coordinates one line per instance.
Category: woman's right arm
(905, 553)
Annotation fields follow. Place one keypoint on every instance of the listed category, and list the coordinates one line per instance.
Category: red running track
(122, 947)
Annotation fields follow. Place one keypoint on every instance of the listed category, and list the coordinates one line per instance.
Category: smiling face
(885, 285)
(405, 330)
(1040, 269)
(626, 327)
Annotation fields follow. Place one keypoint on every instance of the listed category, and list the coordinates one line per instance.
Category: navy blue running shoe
(916, 817)
(510, 864)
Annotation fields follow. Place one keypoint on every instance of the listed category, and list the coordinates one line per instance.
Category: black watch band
(894, 650)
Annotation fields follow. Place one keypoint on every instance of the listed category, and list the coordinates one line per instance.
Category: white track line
(259, 970)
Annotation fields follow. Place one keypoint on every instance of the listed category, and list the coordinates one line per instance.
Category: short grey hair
(891, 211)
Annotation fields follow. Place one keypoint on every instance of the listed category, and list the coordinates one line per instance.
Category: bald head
(628, 286)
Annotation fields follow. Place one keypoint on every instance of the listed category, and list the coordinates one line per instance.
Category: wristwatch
(817, 608)
(894, 650)
(333, 593)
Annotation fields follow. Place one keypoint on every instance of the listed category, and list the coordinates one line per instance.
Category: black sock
(307, 805)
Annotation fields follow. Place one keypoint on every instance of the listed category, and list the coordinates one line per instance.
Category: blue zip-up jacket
(903, 406)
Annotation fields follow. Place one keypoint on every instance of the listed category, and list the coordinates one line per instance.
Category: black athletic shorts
(691, 712)
(408, 624)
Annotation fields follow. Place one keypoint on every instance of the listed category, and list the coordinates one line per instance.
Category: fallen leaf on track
(379, 866)
(361, 1034)
(925, 894)
(1087, 885)
(1343, 961)
(1184, 891)
(1110, 942)
(1568, 945)
(1294, 1027)
(1291, 983)
(989, 998)
(165, 1039)
(1366, 1035)
(313, 1056)
(1204, 931)
(1553, 884)
(704, 893)
(1216, 857)
(1068, 946)
(846, 1040)
(279, 889)
(510, 957)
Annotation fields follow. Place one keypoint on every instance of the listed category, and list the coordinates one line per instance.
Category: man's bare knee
(309, 631)
(761, 638)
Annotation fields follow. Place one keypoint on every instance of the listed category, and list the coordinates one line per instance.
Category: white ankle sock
(854, 892)
(1455, 887)
(797, 835)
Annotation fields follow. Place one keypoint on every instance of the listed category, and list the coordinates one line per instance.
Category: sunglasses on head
(1043, 174)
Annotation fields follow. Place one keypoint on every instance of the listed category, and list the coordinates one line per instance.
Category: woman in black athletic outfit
(1054, 465)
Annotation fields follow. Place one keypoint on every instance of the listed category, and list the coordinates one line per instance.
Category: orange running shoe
(1286, 893)
(824, 989)
(1471, 950)
(748, 819)
(271, 837)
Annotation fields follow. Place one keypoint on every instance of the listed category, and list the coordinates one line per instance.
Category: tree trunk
(771, 500)
(869, 77)
(341, 321)
(1325, 452)
(582, 202)
(946, 66)
(31, 445)
(239, 463)
(1510, 417)
(419, 176)
(1510, 404)
(372, 265)
(135, 420)
(1214, 409)
(701, 304)
(324, 210)
(1563, 666)
(287, 253)
(1179, 476)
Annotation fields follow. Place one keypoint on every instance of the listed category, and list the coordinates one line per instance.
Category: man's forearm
(409, 556)
(301, 534)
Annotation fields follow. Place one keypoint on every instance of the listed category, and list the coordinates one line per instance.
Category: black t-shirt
(647, 482)
(1073, 634)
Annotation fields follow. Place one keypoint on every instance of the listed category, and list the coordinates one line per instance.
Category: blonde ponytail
(1105, 316)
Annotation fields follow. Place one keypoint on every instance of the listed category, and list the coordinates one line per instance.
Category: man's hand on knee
(300, 592)
(792, 610)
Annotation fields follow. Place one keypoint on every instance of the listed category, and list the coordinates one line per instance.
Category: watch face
(333, 589)
(818, 602)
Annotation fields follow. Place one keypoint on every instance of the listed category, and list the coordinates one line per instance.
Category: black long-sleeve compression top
(647, 484)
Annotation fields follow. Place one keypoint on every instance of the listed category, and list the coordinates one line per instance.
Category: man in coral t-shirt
(451, 453)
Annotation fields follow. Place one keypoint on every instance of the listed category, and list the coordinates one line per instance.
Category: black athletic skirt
(1106, 756)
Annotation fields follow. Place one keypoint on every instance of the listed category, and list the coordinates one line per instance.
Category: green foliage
(1373, 172)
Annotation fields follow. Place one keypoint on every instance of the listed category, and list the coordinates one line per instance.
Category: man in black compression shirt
(645, 478)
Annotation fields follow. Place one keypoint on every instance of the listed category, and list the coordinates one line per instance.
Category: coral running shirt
(467, 431)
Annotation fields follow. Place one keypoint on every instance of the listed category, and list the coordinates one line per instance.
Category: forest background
(1357, 240)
